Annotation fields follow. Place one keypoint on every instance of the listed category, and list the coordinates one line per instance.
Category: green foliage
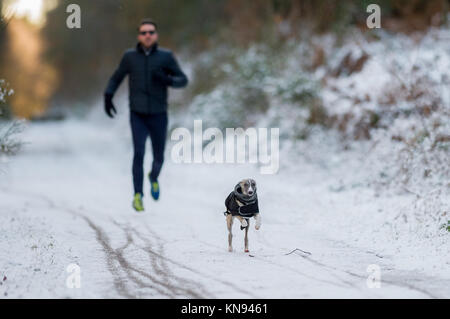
(297, 88)
(447, 227)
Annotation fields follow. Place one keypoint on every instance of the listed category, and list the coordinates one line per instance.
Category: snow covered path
(66, 199)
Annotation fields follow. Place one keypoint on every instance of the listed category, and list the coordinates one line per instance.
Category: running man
(151, 70)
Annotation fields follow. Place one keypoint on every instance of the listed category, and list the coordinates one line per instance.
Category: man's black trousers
(142, 126)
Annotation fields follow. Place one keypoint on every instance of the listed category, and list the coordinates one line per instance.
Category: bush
(5, 91)
(9, 144)
(254, 81)
(297, 88)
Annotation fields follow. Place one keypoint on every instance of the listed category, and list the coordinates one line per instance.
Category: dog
(242, 203)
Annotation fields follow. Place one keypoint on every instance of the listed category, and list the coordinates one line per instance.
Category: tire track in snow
(50, 203)
(131, 271)
(117, 256)
(139, 277)
(121, 268)
(344, 283)
(202, 274)
(332, 270)
(353, 274)
(290, 269)
(180, 286)
(111, 256)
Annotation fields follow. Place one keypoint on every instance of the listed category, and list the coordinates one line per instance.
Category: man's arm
(179, 79)
(117, 77)
(113, 84)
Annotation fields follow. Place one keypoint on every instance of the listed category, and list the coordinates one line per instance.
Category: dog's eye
(253, 184)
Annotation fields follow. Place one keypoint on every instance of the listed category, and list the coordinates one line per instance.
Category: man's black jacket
(147, 93)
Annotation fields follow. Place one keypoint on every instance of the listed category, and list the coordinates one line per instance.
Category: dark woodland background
(51, 65)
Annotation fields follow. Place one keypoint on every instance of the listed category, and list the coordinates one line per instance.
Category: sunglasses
(145, 32)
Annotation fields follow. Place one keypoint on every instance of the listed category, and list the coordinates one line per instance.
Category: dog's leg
(230, 234)
(258, 221)
(246, 237)
(243, 221)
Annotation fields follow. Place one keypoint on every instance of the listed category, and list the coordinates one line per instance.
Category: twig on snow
(300, 250)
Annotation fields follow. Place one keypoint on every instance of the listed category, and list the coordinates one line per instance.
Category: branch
(8, 144)
(297, 249)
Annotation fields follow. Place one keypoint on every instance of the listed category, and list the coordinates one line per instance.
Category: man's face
(147, 35)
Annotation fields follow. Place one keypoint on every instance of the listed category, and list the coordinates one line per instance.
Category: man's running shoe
(138, 205)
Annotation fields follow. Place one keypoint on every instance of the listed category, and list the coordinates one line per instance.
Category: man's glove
(109, 106)
(160, 76)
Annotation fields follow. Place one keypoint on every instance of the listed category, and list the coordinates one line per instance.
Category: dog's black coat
(249, 209)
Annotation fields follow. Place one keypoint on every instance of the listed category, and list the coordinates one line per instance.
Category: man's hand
(160, 76)
(109, 106)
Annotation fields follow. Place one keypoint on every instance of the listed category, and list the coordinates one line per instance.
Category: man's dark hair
(148, 21)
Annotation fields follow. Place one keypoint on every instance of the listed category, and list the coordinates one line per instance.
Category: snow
(337, 208)
(66, 199)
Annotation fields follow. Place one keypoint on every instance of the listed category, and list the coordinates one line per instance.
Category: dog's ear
(253, 183)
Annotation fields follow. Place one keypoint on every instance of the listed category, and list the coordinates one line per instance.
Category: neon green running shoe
(138, 205)
(154, 188)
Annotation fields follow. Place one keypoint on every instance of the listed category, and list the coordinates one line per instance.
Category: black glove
(109, 106)
(160, 76)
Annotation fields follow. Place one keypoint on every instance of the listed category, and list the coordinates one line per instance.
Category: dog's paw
(230, 249)
(258, 222)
